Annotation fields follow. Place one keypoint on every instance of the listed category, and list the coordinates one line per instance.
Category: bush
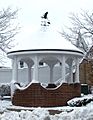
(5, 90)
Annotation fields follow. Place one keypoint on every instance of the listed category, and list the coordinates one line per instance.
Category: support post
(29, 74)
(14, 75)
(63, 69)
(15, 70)
(77, 71)
(35, 71)
(71, 73)
(51, 73)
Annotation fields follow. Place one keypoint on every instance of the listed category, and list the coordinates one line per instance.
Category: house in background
(86, 68)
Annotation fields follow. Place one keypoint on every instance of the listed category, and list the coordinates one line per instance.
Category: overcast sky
(30, 12)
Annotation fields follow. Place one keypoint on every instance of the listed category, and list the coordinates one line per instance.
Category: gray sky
(30, 12)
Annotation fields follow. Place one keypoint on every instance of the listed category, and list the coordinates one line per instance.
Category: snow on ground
(4, 104)
(80, 101)
(68, 113)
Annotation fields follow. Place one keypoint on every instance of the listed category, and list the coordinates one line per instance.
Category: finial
(45, 21)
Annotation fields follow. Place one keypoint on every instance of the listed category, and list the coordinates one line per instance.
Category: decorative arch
(50, 61)
(27, 60)
(28, 63)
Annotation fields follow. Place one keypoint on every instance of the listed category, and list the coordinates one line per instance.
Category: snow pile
(81, 113)
(4, 104)
(77, 114)
(91, 89)
(4, 89)
(74, 113)
(37, 114)
(80, 101)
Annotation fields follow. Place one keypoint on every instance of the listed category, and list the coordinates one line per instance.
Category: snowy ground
(10, 112)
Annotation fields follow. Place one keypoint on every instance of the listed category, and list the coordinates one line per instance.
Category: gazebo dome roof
(46, 39)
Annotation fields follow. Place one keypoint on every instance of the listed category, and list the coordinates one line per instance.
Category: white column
(29, 74)
(35, 71)
(63, 69)
(51, 66)
(77, 71)
(15, 70)
(51, 73)
(71, 74)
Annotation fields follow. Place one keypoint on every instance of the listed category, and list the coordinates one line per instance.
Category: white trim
(10, 55)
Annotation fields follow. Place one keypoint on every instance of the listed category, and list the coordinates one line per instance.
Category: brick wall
(35, 95)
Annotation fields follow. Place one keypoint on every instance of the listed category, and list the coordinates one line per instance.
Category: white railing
(18, 86)
(58, 83)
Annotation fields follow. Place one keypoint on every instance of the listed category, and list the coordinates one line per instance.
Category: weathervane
(45, 21)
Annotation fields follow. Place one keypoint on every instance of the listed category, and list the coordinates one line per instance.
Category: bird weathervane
(45, 21)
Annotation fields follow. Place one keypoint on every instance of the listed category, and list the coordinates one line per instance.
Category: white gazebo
(46, 45)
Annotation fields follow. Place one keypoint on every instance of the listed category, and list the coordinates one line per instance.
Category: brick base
(37, 96)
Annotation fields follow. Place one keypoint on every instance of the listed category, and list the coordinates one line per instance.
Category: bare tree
(8, 29)
(81, 32)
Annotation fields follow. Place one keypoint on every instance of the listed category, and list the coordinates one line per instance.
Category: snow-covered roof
(45, 39)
